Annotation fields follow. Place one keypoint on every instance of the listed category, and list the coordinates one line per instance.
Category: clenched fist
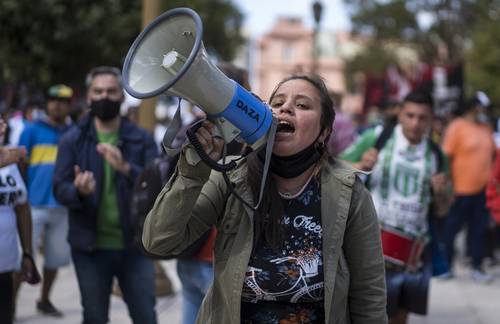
(368, 160)
(213, 145)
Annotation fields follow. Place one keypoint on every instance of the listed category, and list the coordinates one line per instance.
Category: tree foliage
(468, 28)
(483, 57)
(392, 20)
(58, 41)
(51, 41)
(445, 21)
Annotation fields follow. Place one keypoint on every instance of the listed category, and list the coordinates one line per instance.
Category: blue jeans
(196, 277)
(470, 210)
(135, 273)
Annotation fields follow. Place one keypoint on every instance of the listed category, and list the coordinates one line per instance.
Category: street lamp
(317, 10)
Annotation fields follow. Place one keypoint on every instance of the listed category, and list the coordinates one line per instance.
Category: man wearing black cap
(50, 219)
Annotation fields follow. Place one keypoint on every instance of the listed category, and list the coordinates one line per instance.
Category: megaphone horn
(169, 56)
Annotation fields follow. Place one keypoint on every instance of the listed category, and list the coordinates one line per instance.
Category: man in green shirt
(407, 176)
(98, 161)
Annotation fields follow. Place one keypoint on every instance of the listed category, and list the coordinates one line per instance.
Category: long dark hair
(267, 218)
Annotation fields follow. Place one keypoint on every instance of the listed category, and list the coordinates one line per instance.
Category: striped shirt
(40, 140)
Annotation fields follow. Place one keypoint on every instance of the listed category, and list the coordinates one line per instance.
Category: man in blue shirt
(50, 219)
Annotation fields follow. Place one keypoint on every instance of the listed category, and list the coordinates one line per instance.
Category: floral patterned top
(287, 287)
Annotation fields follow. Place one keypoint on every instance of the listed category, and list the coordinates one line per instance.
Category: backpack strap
(436, 151)
(384, 137)
(438, 154)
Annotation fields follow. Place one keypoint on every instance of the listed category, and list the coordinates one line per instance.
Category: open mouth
(285, 127)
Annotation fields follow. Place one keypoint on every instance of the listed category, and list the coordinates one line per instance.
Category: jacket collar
(126, 132)
(340, 170)
(334, 170)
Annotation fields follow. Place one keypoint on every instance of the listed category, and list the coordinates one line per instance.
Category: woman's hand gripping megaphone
(209, 143)
(212, 144)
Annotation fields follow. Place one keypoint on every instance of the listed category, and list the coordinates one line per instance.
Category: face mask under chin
(293, 165)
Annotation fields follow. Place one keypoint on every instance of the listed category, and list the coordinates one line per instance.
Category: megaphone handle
(190, 133)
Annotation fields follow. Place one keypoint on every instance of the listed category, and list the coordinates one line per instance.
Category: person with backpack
(407, 179)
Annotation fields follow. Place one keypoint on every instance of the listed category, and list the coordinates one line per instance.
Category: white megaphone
(169, 56)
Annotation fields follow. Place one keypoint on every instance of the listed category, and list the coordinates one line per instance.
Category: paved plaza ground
(455, 301)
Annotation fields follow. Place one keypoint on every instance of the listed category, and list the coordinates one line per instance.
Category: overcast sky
(260, 15)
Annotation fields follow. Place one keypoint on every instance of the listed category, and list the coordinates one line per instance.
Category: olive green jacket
(194, 199)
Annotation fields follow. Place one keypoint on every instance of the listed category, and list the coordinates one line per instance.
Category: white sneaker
(480, 276)
(446, 275)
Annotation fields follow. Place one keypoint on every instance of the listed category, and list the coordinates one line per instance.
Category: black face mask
(293, 165)
(105, 109)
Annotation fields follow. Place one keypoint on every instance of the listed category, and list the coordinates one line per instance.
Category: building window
(287, 52)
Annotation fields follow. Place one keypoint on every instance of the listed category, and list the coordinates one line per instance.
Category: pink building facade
(288, 49)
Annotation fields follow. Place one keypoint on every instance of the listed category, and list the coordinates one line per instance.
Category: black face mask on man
(105, 109)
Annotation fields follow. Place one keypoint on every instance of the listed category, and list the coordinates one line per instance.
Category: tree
(373, 60)
(447, 21)
(54, 41)
(468, 28)
(390, 20)
(384, 26)
(59, 41)
(482, 59)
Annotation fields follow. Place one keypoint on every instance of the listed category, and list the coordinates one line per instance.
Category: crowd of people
(351, 225)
